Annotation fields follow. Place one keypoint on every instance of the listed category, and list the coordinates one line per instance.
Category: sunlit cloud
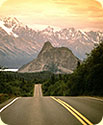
(66, 2)
(60, 13)
(101, 2)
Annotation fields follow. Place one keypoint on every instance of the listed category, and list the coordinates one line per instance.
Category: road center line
(9, 104)
(74, 112)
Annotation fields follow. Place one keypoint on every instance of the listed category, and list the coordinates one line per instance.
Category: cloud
(61, 13)
(65, 2)
(2, 2)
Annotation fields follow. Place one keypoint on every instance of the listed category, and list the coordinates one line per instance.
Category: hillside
(87, 79)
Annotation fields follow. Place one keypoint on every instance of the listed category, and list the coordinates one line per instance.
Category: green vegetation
(87, 79)
(52, 67)
(38, 77)
(13, 84)
(4, 97)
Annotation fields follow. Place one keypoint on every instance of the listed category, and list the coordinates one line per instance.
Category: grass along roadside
(5, 100)
(4, 97)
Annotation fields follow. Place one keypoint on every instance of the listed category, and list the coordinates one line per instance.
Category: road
(39, 110)
(37, 90)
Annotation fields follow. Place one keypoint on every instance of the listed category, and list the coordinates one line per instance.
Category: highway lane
(91, 108)
(37, 90)
(39, 110)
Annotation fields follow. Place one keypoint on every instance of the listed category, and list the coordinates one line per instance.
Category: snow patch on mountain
(39, 27)
(30, 41)
(8, 30)
(83, 33)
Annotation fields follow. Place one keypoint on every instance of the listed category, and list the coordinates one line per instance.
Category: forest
(86, 80)
(14, 84)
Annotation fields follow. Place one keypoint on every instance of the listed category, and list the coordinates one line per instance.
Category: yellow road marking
(77, 113)
(73, 111)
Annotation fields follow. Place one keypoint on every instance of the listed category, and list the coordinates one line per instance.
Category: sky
(81, 14)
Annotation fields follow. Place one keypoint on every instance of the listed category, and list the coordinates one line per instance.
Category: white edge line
(9, 104)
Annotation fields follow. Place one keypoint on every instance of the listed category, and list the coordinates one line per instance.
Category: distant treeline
(38, 77)
(14, 84)
(87, 79)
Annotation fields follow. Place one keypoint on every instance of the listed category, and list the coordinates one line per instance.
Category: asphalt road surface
(39, 110)
(37, 90)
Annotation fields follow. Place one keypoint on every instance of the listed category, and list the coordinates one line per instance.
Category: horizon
(84, 15)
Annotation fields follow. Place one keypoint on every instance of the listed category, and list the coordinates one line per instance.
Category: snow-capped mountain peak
(10, 21)
(30, 41)
(7, 29)
(49, 29)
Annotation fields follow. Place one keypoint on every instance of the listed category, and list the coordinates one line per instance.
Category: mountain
(16, 43)
(54, 59)
(20, 44)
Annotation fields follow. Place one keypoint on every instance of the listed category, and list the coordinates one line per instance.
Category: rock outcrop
(54, 59)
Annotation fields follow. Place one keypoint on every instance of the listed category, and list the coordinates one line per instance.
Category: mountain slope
(57, 60)
(20, 44)
(15, 48)
(86, 80)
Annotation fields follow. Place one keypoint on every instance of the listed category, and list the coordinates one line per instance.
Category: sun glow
(2, 2)
(59, 13)
(101, 2)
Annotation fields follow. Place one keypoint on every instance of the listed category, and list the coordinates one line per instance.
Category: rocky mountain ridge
(54, 59)
(20, 44)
